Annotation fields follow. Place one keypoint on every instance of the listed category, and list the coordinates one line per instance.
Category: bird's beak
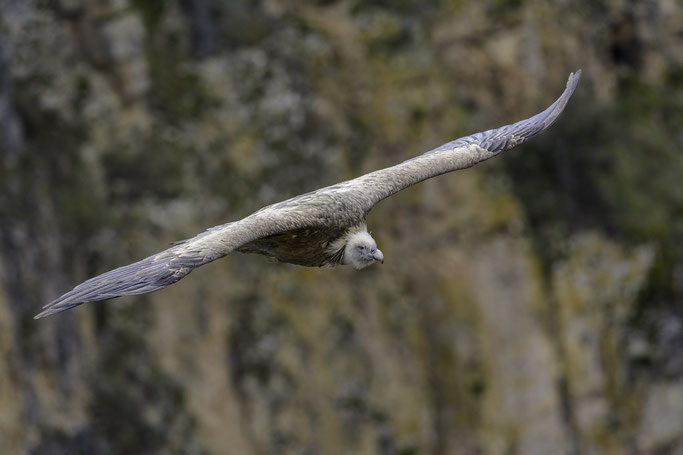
(378, 256)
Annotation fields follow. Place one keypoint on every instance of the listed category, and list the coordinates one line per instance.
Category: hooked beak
(378, 256)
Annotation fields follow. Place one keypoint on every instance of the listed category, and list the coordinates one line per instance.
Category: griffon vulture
(323, 228)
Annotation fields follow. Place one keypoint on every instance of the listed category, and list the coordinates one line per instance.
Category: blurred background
(530, 305)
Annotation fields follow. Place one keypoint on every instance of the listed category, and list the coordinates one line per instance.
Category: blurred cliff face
(529, 305)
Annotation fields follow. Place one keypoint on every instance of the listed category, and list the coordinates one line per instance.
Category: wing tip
(53, 310)
(57, 306)
(553, 112)
(573, 81)
(43, 314)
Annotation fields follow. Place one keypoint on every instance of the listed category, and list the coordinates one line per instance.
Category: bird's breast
(307, 246)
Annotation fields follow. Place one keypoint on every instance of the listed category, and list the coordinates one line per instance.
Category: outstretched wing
(169, 266)
(154, 272)
(459, 154)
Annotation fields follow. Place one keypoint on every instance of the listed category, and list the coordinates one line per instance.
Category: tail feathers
(148, 275)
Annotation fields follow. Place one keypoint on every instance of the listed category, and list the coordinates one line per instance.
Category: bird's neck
(336, 247)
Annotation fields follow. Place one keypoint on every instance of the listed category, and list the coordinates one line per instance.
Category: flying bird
(325, 227)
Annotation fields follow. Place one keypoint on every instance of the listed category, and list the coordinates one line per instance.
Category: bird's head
(361, 250)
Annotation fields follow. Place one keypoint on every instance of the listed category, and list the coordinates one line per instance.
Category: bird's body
(308, 246)
(325, 227)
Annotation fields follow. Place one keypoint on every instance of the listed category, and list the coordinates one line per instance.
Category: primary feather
(312, 229)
